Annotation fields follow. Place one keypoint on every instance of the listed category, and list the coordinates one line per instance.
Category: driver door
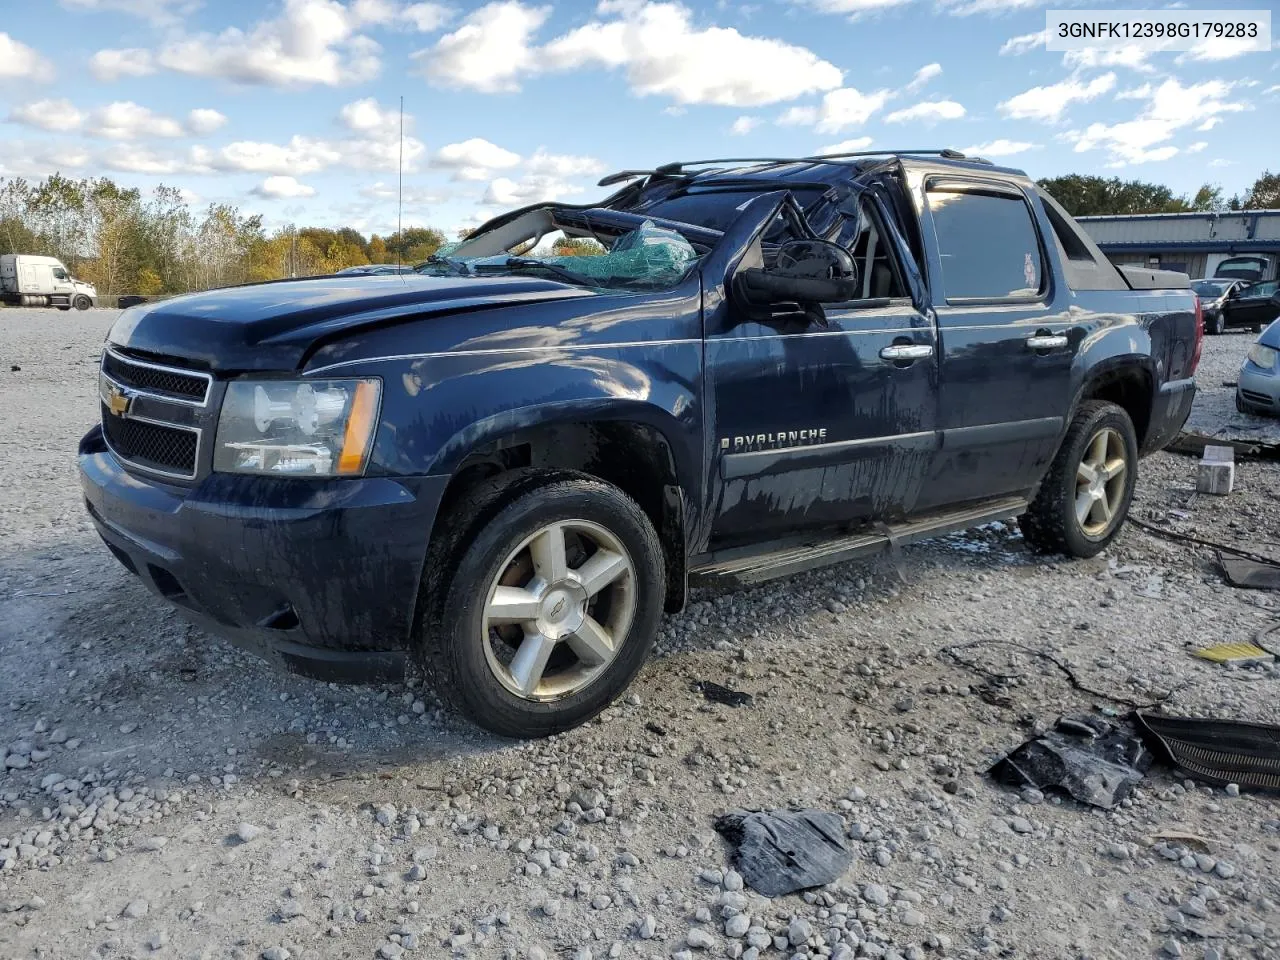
(826, 417)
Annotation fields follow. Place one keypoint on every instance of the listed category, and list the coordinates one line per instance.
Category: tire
(1216, 325)
(485, 657)
(1052, 523)
(82, 302)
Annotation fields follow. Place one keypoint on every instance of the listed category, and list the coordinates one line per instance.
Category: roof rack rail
(669, 169)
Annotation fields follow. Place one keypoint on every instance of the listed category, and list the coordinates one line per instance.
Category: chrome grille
(154, 415)
(174, 383)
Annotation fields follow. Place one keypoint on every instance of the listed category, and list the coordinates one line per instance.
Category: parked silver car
(1258, 386)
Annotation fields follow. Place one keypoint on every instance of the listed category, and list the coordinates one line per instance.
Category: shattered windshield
(648, 257)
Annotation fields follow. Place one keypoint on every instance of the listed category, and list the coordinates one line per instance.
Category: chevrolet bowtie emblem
(117, 401)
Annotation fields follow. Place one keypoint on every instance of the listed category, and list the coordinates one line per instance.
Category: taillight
(1195, 354)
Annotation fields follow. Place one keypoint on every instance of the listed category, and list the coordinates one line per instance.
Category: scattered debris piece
(1089, 759)
(656, 729)
(718, 694)
(14, 368)
(1250, 574)
(1193, 444)
(1217, 751)
(1216, 473)
(1237, 654)
(1182, 838)
(782, 851)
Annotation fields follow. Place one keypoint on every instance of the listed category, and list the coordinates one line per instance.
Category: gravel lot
(168, 795)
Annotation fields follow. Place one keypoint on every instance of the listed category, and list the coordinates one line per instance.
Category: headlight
(1264, 357)
(317, 428)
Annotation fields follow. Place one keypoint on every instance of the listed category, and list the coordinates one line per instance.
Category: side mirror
(806, 271)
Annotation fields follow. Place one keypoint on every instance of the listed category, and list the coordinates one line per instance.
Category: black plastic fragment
(1250, 574)
(782, 851)
(1217, 751)
(718, 694)
(1087, 758)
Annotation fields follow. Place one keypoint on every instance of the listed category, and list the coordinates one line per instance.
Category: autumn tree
(577, 247)
(1084, 196)
(1264, 194)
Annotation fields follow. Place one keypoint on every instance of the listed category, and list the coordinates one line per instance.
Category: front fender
(443, 407)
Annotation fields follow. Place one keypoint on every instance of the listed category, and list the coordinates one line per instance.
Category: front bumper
(1258, 389)
(1169, 411)
(320, 577)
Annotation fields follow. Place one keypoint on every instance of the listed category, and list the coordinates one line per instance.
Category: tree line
(125, 241)
(1084, 196)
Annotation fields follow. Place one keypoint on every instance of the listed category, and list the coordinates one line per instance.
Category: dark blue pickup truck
(508, 464)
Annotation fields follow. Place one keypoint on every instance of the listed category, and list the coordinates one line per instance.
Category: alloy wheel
(1100, 482)
(559, 610)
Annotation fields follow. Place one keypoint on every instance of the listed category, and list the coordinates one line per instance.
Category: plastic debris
(782, 851)
(1217, 751)
(1089, 759)
(1236, 654)
(1216, 471)
(718, 694)
(1251, 574)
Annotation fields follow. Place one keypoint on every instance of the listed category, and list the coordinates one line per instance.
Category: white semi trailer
(27, 280)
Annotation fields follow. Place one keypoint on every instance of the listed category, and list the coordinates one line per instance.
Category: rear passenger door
(1005, 347)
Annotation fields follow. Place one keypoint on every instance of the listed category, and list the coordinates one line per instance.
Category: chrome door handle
(906, 351)
(1047, 341)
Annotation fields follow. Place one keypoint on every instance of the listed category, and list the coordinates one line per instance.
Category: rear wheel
(552, 608)
(1085, 497)
(1216, 324)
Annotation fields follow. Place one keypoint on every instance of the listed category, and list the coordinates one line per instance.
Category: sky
(290, 108)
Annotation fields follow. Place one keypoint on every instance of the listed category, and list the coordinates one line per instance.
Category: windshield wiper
(529, 263)
(437, 260)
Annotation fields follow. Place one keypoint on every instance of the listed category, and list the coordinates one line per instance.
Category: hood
(1270, 336)
(273, 326)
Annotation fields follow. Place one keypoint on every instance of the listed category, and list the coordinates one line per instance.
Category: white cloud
(1272, 89)
(744, 125)
(1132, 57)
(55, 115)
(1222, 162)
(301, 155)
(20, 62)
(965, 8)
(846, 146)
(1198, 146)
(999, 148)
(489, 51)
(1209, 124)
(847, 107)
(534, 188)
(473, 159)
(665, 54)
(427, 17)
(369, 117)
(161, 12)
(1213, 49)
(283, 187)
(852, 7)
(923, 76)
(1170, 107)
(930, 111)
(1023, 43)
(1047, 104)
(563, 165)
(311, 42)
(798, 117)
(203, 121)
(131, 158)
(109, 65)
(126, 120)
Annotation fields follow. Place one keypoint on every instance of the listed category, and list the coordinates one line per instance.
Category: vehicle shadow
(134, 687)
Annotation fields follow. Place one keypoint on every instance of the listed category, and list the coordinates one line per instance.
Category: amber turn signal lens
(357, 439)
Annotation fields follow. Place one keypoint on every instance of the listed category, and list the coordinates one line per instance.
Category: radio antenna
(400, 192)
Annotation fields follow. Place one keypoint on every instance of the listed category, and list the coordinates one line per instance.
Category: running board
(740, 570)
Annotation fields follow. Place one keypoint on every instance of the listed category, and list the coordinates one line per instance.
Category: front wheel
(83, 303)
(551, 611)
(1085, 497)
